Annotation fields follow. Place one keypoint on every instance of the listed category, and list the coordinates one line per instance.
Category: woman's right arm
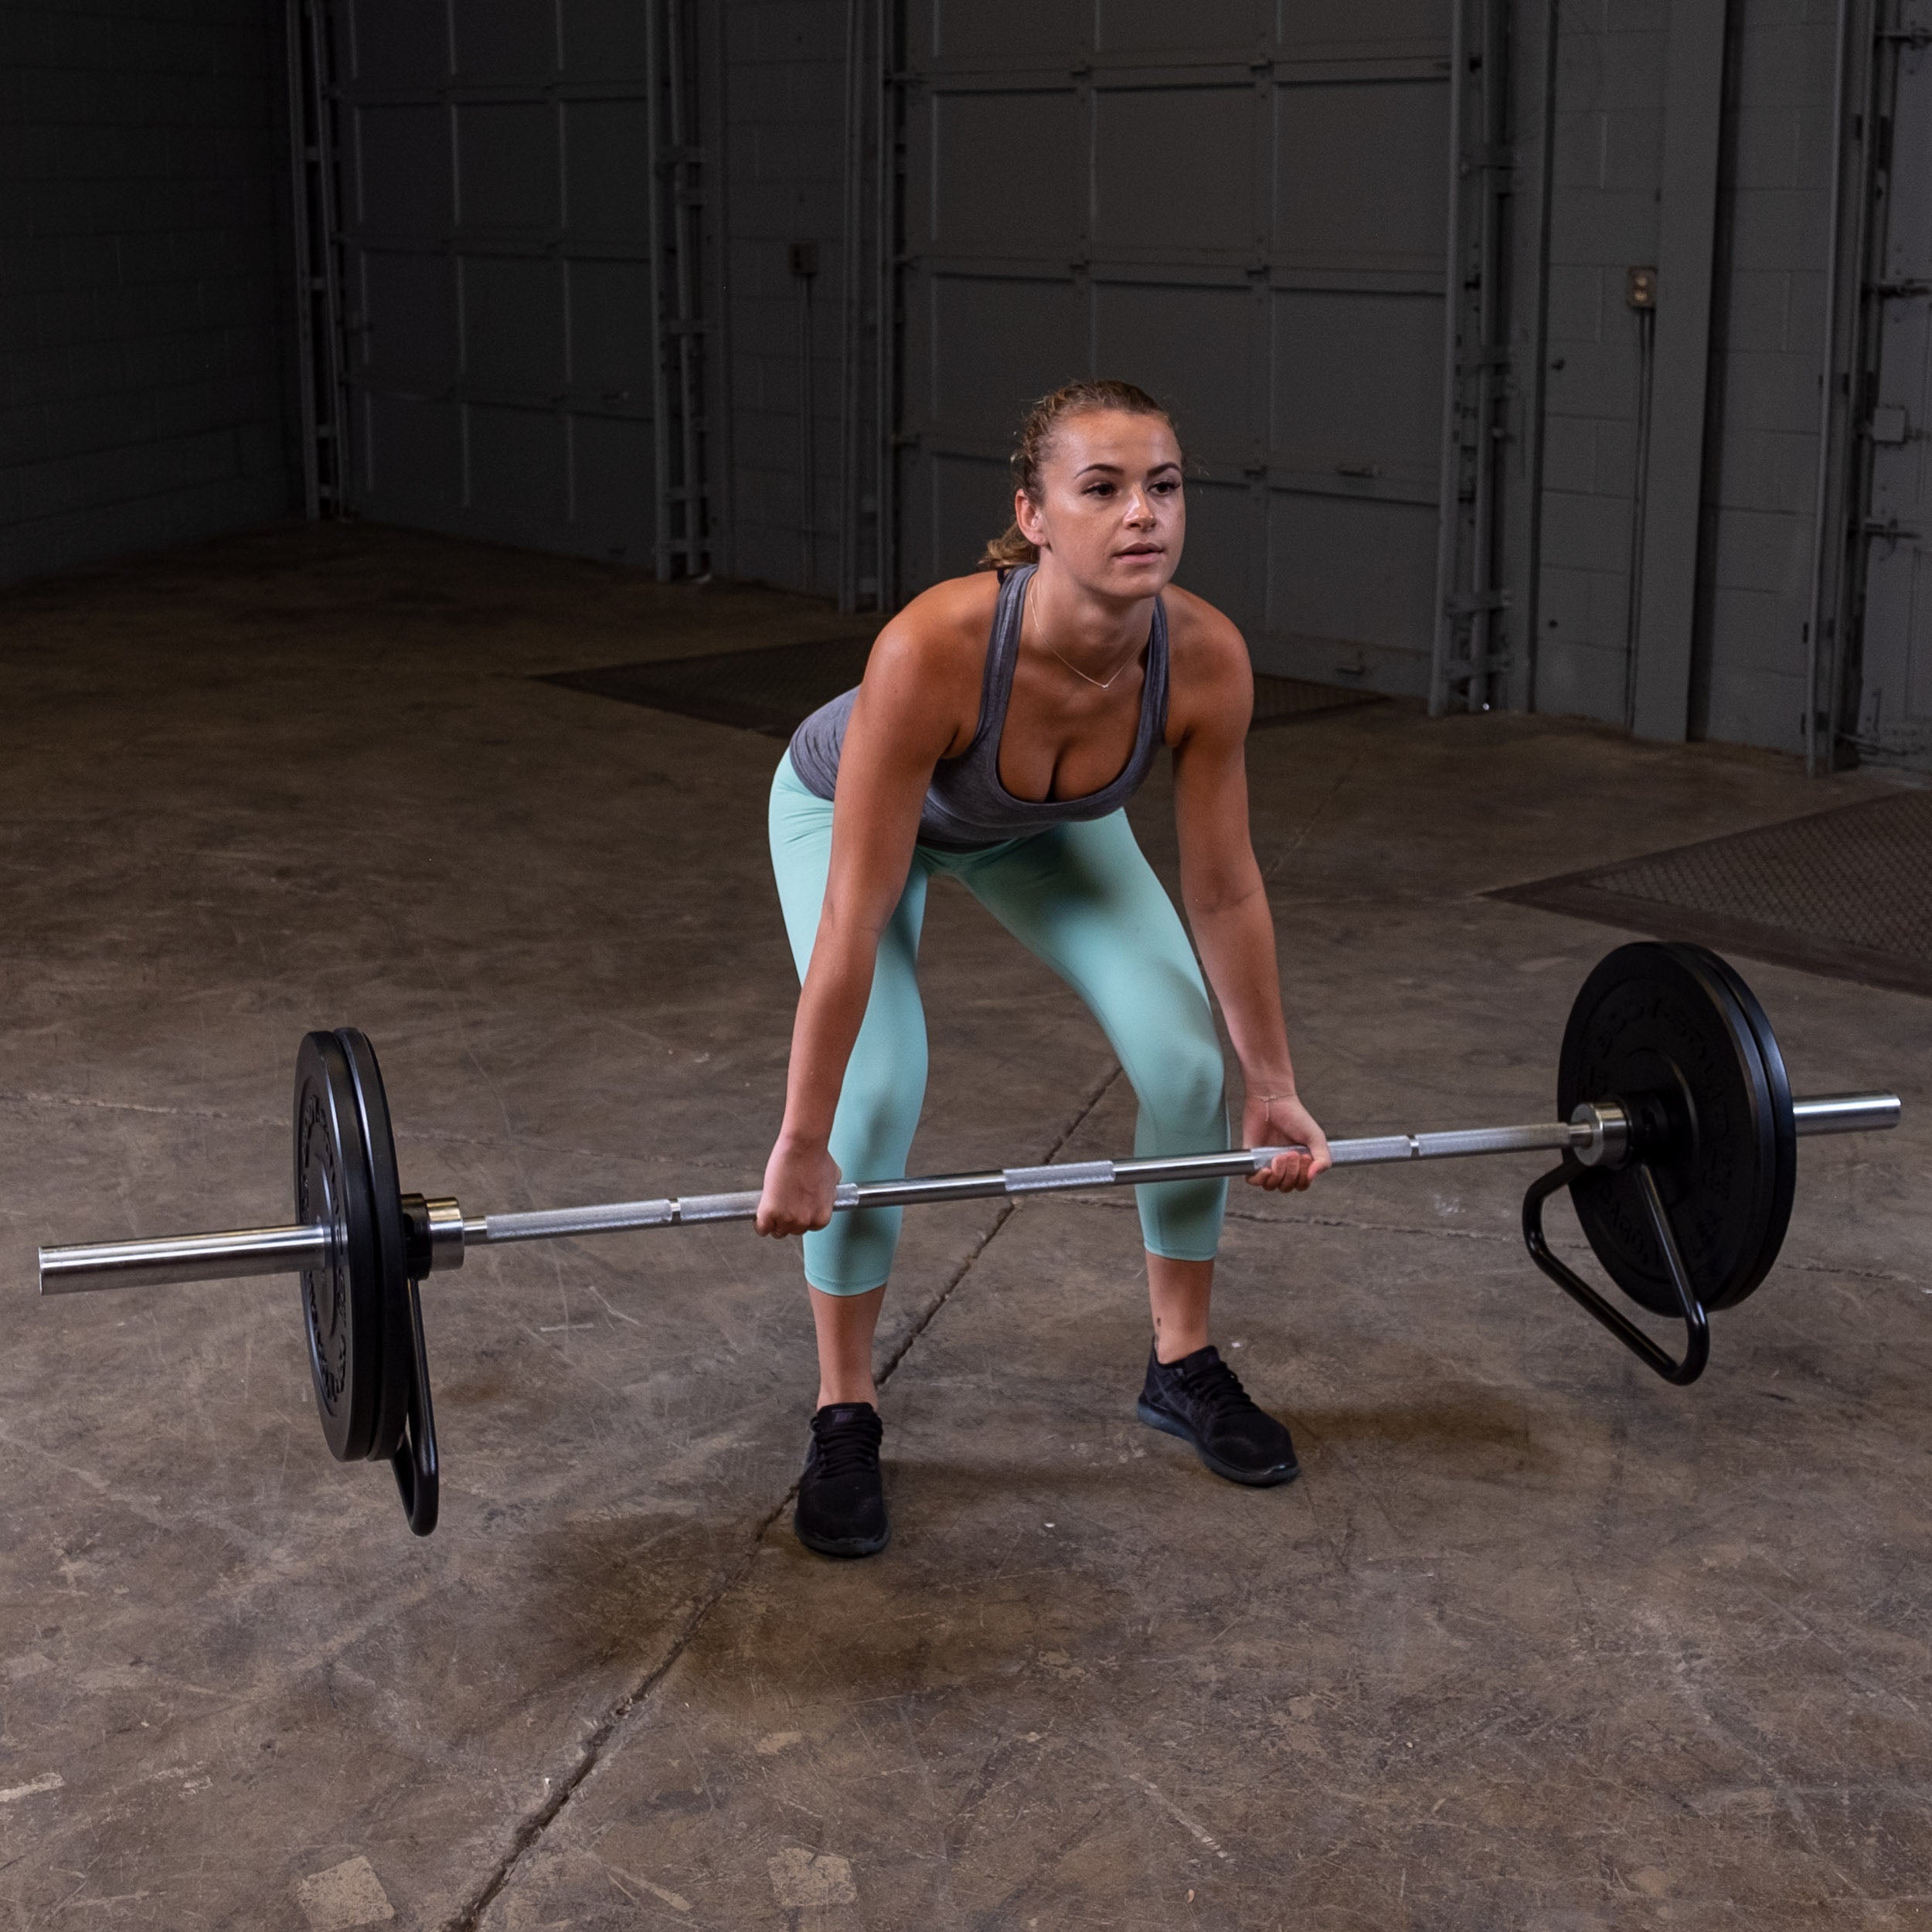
(904, 720)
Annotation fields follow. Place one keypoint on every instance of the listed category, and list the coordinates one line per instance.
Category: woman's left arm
(1227, 902)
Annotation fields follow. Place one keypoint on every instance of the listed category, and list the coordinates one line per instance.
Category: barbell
(1675, 1126)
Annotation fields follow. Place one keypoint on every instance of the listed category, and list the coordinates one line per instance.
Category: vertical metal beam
(684, 183)
(1521, 567)
(851, 273)
(1466, 660)
(319, 320)
(655, 32)
(1492, 163)
(1829, 404)
(1449, 471)
(299, 148)
(720, 498)
(1693, 112)
(889, 98)
(1843, 373)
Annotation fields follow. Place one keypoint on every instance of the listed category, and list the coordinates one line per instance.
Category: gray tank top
(967, 808)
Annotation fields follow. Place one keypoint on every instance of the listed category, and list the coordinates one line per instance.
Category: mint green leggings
(1083, 899)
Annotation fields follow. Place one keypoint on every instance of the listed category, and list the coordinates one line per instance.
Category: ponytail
(1008, 551)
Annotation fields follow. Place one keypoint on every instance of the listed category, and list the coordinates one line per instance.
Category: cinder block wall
(142, 388)
(784, 158)
(1767, 321)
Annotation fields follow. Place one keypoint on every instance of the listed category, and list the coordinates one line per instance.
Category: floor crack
(524, 1840)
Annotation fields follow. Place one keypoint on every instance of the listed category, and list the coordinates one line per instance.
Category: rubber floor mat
(775, 688)
(1846, 892)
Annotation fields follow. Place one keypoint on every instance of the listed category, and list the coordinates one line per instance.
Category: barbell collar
(240, 1252)
(1608, 1125)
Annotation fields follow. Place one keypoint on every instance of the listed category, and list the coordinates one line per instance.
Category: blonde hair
(1035, 439)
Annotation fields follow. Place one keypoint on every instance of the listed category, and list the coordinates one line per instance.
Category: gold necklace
(1102, 685)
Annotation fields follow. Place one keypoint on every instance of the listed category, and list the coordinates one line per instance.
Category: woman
(1004, 720)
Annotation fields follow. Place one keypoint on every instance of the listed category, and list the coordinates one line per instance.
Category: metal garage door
(494, 187)
(1246, 216)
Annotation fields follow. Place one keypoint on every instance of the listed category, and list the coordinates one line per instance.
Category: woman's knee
(875, 1124)
(1181, 1084)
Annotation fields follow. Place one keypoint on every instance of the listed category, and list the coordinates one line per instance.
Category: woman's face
(1111, 511)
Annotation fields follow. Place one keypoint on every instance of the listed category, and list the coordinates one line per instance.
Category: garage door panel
(1218, 558)
(1365, 23)
(1153, 336)
(606, 38)
(403, 181)
(610, 310)
(607, 149)
(504, 40)
(1010, 174)
(472, 359)
(507, 153)
(1352, 569)
(998, 343)
(513, 323)
(519, 470)
(1358, 381)
(396, 46)
(972, 501)
(1158, 26)
(411, 460)
(408, 308)
(1174, 169)
(1004, 34)
(615, 491)
(1360, 174)
(1266, 259)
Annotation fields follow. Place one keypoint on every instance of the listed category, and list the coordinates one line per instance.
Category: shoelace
(1216, 1388)
(847, 1443)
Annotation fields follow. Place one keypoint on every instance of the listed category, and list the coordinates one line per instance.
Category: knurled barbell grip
(289, 1250)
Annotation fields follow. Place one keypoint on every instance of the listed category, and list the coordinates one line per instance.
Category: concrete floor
(1535, 1642)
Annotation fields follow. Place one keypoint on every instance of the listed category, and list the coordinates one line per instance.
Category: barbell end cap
(1846, 1113)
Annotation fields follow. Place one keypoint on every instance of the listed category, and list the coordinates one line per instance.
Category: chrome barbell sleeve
(182, 1257)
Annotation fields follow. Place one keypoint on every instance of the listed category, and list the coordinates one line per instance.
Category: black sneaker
(842, 1501)
(1200, 1399)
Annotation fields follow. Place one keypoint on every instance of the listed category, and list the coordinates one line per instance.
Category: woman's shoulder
(924, 673)
(1204, 647)
(943, 630)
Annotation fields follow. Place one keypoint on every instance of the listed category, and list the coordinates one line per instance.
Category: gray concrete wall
(141, 381)
(1767, 315)
(784, 160)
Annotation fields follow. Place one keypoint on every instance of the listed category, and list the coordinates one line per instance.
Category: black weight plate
(392, 1394)
(341, 1303)
(1659, 1028)
(1784, 1123)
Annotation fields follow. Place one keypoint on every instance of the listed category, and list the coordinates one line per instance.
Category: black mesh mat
(772, 690)
(776, 688)
(1847, 893)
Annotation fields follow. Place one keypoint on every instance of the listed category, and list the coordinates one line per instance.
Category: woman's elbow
(1215, 894)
